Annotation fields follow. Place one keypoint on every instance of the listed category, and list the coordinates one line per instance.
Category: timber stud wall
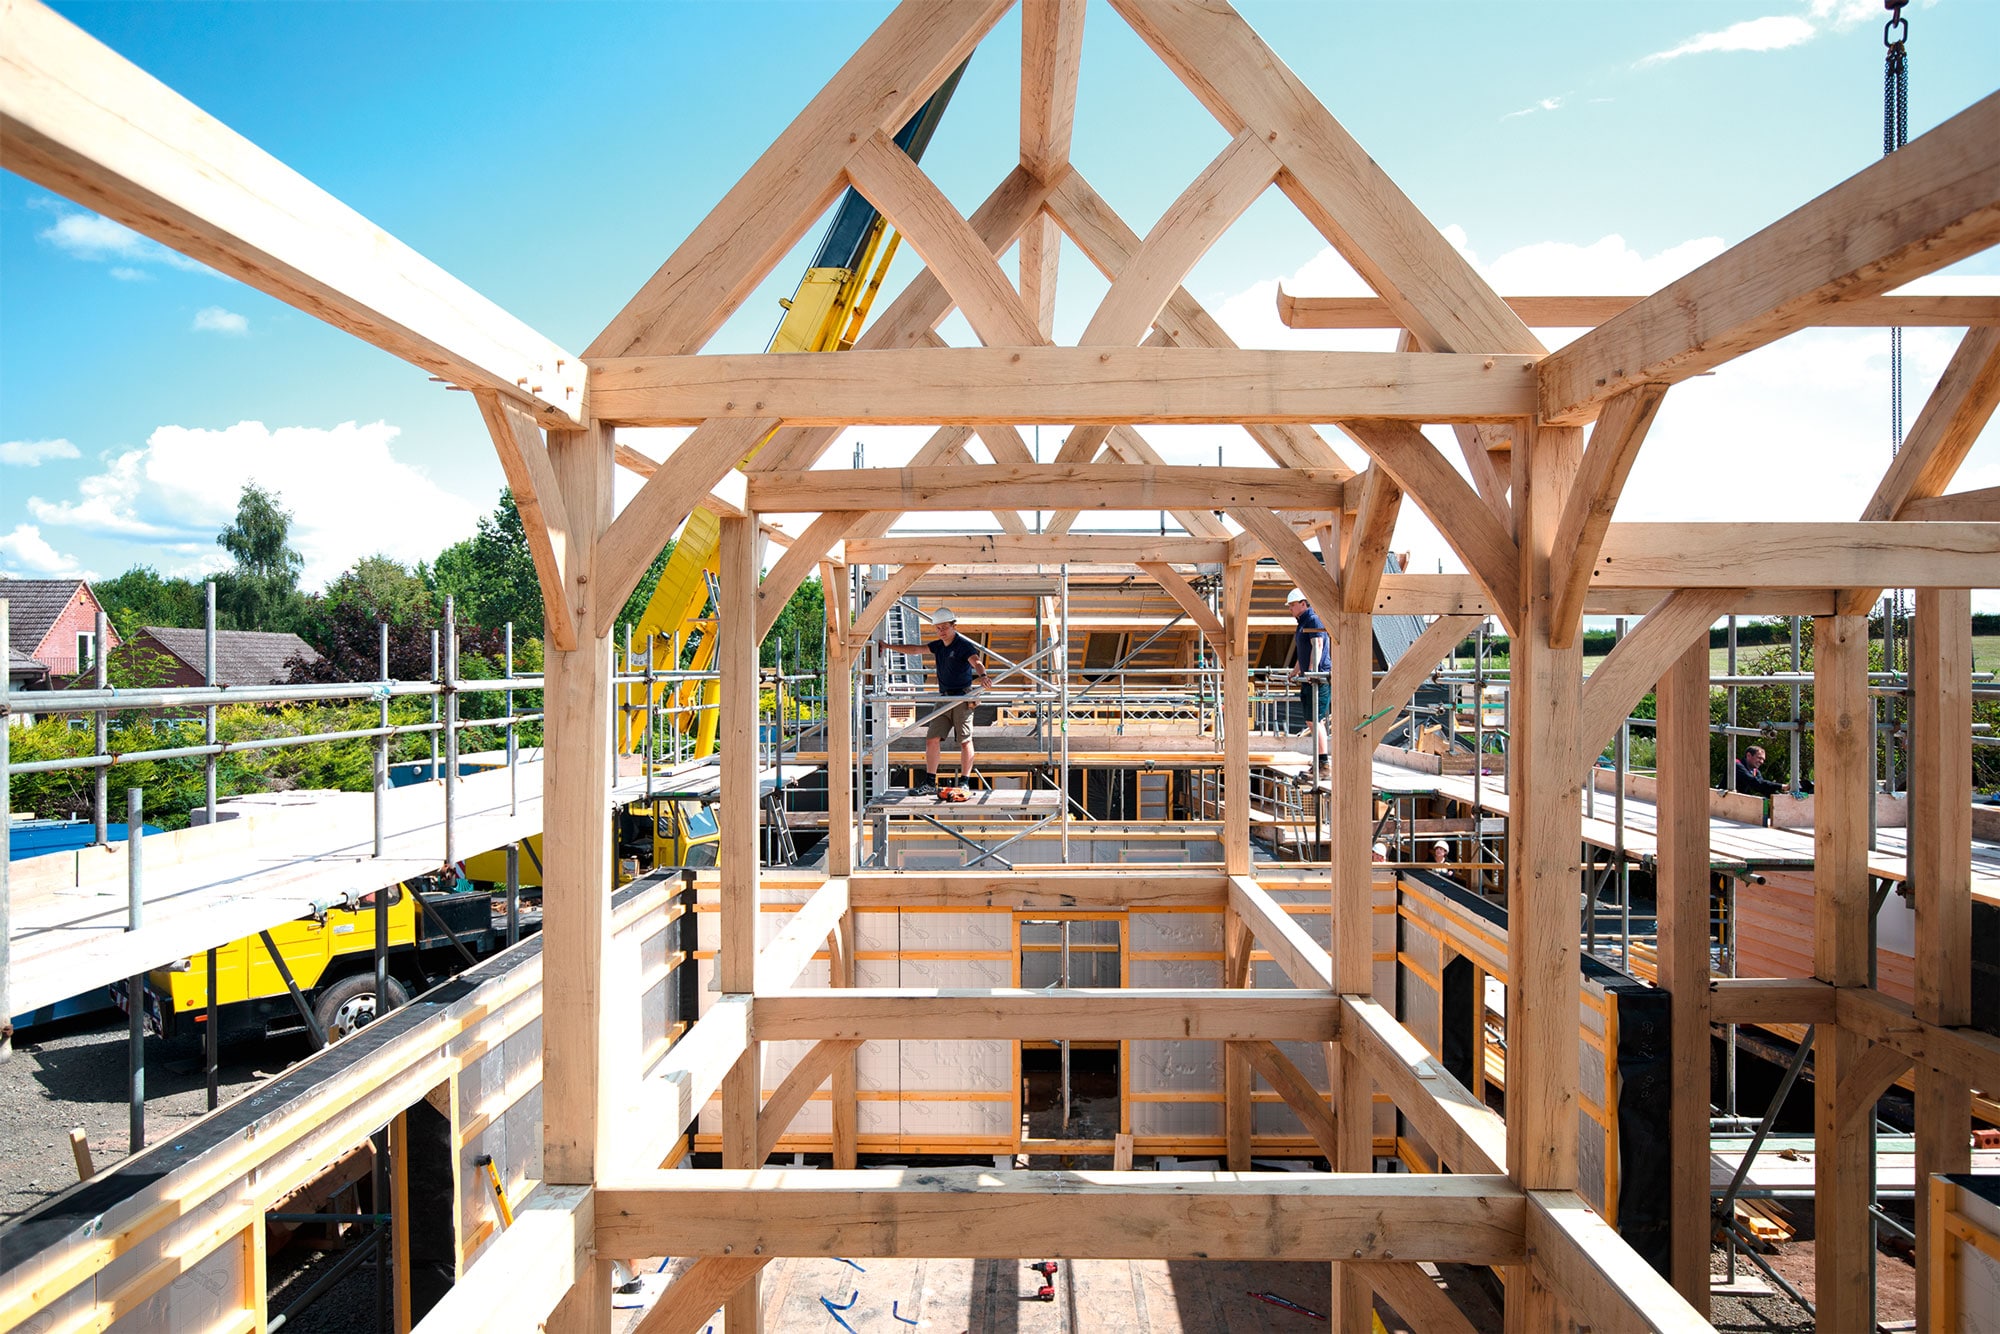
(1534, 529)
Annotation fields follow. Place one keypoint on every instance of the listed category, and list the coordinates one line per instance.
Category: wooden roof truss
(1535, 527)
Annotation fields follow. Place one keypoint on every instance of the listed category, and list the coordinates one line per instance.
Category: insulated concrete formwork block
(1175, 933)
(955, 1118)
(1176, 974)
(957, 1067)
(951, 973)
(922, 932)
(878, 1067)
(877, 930)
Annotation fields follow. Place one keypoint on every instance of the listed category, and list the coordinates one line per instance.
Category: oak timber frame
(1535, 528)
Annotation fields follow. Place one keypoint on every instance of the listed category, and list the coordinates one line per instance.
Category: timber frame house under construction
(1548, 440)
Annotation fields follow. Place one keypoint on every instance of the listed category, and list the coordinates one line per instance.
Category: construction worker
(960, 667)
(1309, 654)
(1749, 779)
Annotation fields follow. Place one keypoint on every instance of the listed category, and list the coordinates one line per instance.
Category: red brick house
(54, 623)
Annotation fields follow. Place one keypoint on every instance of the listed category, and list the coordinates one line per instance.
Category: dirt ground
(73, 1073)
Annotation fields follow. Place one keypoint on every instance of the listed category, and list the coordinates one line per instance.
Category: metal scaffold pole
(135, 986)
(101, 804)
(1062, 706)
(381, 783)
(449, 664)
(208, 679)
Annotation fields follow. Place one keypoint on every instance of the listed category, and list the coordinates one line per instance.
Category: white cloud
(1845, 14)
(34, 453)
(125, 275)
(91, 236)
(349, 494)
(1545, 104)
(24, 555)
(1774, 33)
(214, 319)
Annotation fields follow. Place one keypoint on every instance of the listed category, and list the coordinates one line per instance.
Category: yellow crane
(825, 314)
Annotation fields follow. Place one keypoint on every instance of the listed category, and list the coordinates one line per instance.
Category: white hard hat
(1295, 596)
(944, 614)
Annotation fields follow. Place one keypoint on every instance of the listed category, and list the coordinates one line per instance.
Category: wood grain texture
(1086, 486)
(1467, 1134)
(1682, 883)
(1400, 682)
(1799, 555)
(524, 460)
(1192, 223)
(980, 1213)
(1930, 203)
(1061, 385)
(1465, 521)
(814, 1068)
(1604, 1280)
(1078, 1014)
(1374, 529)
(580, 1076)
(1587, 312)
(1636, 661)
(1607, 461)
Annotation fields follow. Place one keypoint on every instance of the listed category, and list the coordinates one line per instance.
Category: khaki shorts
(955, 721)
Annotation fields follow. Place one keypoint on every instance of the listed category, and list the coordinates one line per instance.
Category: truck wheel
(349, 1004)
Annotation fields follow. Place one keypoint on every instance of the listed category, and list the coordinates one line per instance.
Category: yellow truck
(331, 956)
(667, 831)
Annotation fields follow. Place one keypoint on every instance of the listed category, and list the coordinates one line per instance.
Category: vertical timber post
(1544, 783)
(736, 961)
(1235, 723)
(1941, 880)
(579, 1076)
(1843, 792)
(840, 841)
(1682, 888)
(1350, 761)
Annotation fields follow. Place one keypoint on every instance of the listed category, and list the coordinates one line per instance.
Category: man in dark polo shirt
(960, 667)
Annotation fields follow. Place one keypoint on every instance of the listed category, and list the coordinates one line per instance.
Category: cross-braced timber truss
(1533, 528)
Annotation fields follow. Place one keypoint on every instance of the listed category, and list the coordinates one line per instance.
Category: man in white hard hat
(1309, 654)
(960, 667)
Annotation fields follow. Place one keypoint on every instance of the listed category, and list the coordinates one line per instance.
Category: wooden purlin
(1587, 312)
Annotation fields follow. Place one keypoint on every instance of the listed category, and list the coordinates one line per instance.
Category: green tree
(382, 589)
(491, 575)
(141, 597)
(262, 591)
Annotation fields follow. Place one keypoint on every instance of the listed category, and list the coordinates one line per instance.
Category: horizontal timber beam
(1928, 204)
(1077, 486)
(1077, 1014)
(1587, 312)
(1066, 385)
(1006, 549)
(1890, 554)
(1965, 1054)
(1770, 1000)
(980, 1213)
(81, 120)
(1090, 889)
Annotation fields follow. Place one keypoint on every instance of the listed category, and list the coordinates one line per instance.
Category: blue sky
(551, 155)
